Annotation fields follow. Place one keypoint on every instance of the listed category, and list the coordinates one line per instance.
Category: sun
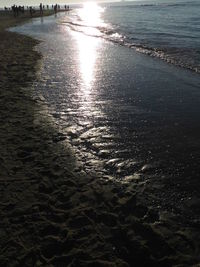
(91, 13)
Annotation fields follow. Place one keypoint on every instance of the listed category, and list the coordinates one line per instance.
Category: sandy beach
(52, 212)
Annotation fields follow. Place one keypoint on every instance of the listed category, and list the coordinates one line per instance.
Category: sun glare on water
(91, 13)
(87, 56)
(90, 16)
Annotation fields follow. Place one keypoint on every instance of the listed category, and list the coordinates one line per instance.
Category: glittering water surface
(126, 114)
(168, 30)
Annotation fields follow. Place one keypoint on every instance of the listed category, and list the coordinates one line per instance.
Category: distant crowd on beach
(17, 10)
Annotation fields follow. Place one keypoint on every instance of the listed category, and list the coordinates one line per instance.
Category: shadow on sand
(52, 214)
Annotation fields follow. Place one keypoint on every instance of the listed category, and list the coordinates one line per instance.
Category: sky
(9, 3)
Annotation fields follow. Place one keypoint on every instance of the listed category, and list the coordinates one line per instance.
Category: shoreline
(53, 213)
(8, 20)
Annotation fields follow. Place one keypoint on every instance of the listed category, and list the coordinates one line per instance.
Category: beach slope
(52, 214)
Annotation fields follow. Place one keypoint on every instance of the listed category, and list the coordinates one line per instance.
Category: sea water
(167, 29)
(128, 114)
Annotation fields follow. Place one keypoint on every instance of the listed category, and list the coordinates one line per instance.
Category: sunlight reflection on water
(91, 14)
(87, 47)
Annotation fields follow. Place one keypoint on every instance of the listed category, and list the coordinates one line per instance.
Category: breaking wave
(182, 56)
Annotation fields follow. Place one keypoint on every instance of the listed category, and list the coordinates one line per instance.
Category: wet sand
(52, 213)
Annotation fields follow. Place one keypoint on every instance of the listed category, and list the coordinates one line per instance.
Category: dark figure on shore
(41, 9)
(31, 11)
(56, 8)
(21, 9)
(17, 9)
(48, 7)
(14, 10)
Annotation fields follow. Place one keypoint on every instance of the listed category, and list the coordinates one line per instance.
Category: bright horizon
(9, 3)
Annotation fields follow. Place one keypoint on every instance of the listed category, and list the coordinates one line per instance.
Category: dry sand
(51, 213)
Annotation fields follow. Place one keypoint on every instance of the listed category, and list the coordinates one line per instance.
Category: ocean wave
(134, 5)
(172, 55)
(101, 31)
(178, 58)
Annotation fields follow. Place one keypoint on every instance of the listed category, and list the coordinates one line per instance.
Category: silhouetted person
(19, 9)
(31, 11)
(15, 10)
(41, 9)
(56, 8)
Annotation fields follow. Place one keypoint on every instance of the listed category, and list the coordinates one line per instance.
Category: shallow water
(128, 116)
(165, 29)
